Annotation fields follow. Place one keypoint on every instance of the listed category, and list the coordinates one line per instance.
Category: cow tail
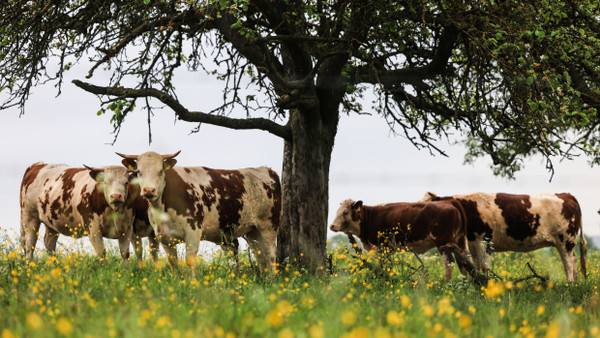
(582, 252)
(582, 242)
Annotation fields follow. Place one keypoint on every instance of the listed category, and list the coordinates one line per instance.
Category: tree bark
(303, 234)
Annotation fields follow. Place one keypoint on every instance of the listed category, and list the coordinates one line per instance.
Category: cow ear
(169, 163)
(132, 174)
(95, 173)
(357, 204)
(129, 164)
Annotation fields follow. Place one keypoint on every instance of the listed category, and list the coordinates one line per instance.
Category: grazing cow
(98, 202)
(521, 223)
(419, 226)
(189, 204)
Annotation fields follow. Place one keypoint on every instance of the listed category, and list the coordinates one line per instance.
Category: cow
(418, 226)
(505, 222)
(190, 204)
(98, 202)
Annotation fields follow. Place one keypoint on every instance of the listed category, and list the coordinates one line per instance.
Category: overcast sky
(368, 163)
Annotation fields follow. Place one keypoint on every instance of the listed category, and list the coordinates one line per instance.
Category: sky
(368, 162)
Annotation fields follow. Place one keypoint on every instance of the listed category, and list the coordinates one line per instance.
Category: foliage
(512, 77)
(74, 294)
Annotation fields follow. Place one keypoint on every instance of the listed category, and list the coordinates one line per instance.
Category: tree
(511, 77)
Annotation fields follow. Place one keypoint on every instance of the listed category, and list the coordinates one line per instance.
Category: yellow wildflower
(348, 318)
(494, 289)
(465, 322)
(541, 309)
(394, 318)
(285, 333)
(64, 326)
(273, 318)
(428, 310)
(34, 321)
(382, 332)
(445, 306)
(405, 301)
(316, 331)
(553, 330)
(7, 334)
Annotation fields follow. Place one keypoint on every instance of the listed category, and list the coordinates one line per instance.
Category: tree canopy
(514, 77)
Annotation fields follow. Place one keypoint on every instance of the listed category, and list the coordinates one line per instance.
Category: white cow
(189, 204)
(522, 223)
(98, 202)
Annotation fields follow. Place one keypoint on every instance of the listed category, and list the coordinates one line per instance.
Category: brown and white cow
(189, 204)
(521, 223)
(98, 202)
(419, 226)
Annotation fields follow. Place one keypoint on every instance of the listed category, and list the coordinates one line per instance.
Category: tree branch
(186, 115)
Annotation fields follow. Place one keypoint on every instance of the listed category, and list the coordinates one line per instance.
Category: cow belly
(421, 246)
(66, 225)
(502, 242)
(170, 225)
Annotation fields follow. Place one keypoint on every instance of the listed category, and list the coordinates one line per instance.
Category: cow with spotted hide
(505, 222)
(190, 204)
(98, 202)
(417, 226)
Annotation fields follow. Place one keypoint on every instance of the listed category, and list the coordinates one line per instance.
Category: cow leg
(138, 248)
(171, 250)
(50, 239)
(30, 229)
(191, 253)
(97, 241)
(477, 250)
(233, 247)
(124, 239)
(568, 260)
(262, 243)
(448, 266)
(481, 259)
(153, 246)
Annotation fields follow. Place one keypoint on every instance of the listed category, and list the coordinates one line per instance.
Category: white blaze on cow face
(113, 182)
(151, 169)
(347, 218)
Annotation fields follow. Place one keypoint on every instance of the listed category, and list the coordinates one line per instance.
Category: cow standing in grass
(190, 204)
(418, 226)
(98, 202)
(505, 222)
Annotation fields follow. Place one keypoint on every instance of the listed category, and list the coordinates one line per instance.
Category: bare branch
(186, 115)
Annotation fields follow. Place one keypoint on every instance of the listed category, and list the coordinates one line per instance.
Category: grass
(75, 294)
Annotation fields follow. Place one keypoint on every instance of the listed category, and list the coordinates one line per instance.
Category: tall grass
(76, 294)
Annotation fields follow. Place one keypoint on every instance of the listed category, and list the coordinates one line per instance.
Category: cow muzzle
(117, 199)
(149, 193)
(335, 228)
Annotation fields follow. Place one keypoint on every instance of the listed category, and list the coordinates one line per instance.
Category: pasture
(75, 294)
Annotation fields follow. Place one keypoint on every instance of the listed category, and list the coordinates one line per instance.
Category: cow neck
(369, 224)
(98, 203)
(133, 191)
(364, 222)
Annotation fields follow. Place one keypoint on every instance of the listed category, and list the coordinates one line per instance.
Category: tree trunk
(303, 234)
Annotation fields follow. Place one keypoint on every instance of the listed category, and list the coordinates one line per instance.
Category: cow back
(221, 200)
(411, 222)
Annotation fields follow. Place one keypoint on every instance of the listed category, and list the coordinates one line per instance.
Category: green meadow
(74, 294)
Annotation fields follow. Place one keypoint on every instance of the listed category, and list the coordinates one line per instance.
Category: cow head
(429, 196)
(347, 218)
(150, 168)
(113, 182)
